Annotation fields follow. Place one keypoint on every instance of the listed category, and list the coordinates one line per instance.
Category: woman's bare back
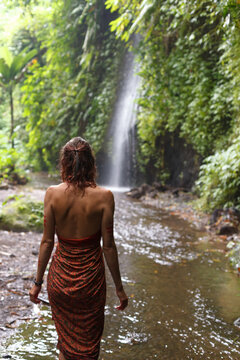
(76, 215)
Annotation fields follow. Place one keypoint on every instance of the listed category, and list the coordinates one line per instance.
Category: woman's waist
(83, 242)
(72, 270)
(78, 256)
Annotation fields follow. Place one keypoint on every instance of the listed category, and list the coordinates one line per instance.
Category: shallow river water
(183, 297)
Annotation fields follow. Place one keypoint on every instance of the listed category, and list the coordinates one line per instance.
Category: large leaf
(6, 55)
(11, 66)
(20, 61)
(4, 72)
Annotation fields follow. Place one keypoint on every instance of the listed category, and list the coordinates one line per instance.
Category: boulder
(160, 187)
(135, 194)
(227, 230)
(145, 188)
(153, 194)
(4, 186)
(237, 323)
(217, 213)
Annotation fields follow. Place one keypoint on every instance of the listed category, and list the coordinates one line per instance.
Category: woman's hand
(33, 293)
(123, 299)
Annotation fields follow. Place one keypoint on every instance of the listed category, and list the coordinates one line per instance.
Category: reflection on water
(183, 299)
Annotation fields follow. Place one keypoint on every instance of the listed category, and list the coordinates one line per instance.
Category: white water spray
(123, 121)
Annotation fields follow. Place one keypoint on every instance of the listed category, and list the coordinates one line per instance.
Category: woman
(80, 212)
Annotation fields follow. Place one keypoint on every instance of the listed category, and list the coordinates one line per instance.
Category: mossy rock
(21, 214)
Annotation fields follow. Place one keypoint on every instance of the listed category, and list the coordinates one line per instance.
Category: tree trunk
(12, 118)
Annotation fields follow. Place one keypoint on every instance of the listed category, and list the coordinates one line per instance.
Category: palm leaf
(4, 71)
(6, 55)
(20, 61)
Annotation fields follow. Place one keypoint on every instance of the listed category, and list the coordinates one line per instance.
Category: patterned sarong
(77, 293)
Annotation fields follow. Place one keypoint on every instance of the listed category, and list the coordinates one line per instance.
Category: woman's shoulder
(104, 191)
(55, 189)
(104, 195)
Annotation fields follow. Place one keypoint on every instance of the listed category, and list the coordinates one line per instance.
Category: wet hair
(77, 164)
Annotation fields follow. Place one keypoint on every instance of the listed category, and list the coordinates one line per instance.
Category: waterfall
(122, 131)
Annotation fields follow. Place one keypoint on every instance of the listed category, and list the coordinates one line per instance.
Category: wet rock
(225, 222)
(175, 192)
(6, 356)
(215, 216)
(237, 323)
(234, 212)
(4, 186)
(227, 230)
(153, 190)
(153, 194)
(12, 256)
(135, 194)
(145, 188)
(160, 187)
(17, 179)
(142, 190)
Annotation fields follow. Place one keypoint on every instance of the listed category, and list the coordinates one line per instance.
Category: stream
(183, 296)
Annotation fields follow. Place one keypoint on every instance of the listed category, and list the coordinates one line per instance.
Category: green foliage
(132, 16)
(22, 3)
(189, 62)
(12, 69)
(71, 91)
(11, 66)
(14, 197)
(219, 181)
(234, 253)
(21, 214)
(189, 59)
(12, 163)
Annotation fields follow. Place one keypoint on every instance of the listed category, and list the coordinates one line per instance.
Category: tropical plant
(219, 181)
(189, 64)
(20, 213)
(12, 162)
(73, 90)
(12, 69)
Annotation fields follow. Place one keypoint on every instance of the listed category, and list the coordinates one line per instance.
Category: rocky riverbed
(18, 257)
(18, 261)
(223, 223)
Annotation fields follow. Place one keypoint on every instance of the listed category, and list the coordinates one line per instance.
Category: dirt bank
(18, 258)
(18, 261)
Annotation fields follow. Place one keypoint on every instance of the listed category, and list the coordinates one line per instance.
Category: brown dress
(77, 293)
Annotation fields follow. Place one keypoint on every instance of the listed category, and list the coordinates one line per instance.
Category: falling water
(122, 128)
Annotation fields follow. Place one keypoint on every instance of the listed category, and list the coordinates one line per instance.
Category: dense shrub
(219, 180)
(21, 214)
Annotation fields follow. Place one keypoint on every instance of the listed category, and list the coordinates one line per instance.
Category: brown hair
(77, 164)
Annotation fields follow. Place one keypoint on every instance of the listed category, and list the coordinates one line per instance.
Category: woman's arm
(110, 250)
(46, 245)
